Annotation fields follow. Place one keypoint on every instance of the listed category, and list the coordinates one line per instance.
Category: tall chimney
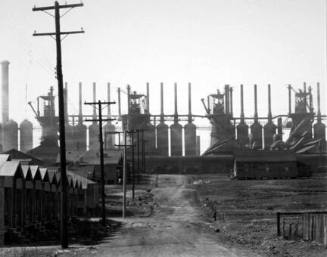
(318, 102)
(66, 102)
(289, 99)
(175, 102)
(5, 91)
(147, 97)
(94, 100)
(310, 99)
(189, 103)
(128, 98)
(269, 103)
(255, 103)
(80, 111)
(119, 103)
(305, 95)
(161, 103)
(242, 104)
(227, 99)
(108, 99)
(231, 101)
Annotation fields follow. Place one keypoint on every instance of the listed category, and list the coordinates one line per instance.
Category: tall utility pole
(103, 194)
(57, 34)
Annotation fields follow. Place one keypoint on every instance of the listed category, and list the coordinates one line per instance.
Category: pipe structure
(269, 104)
(5, 91)
(119, 102)
(255, 104)
(148, 97)
(80, 111)
(189, 103)
(161, 103)
(318, 102)
(94, 100)
(231, 101)
(242, 104)
(175, 103)
(289, 99)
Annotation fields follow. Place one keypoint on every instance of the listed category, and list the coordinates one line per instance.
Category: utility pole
(103, 194)
(57, 35)
(125, 145)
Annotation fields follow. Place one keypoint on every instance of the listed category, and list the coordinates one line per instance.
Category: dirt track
(175, 229)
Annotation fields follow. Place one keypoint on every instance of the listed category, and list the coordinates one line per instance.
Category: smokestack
(80, 111)
(161, 103)
(128, 98)
(289, 99)
(242, 104)
(305, 95)
(310, 99)
(5, 91)
(318, 102)
(175, 102)
(227, 99)
(66, 102)
(108, 97)
(231, 101)
(255, 103)
(269, 103)
(119, 103)
(148, 97)
(189, 103)
(94, 100)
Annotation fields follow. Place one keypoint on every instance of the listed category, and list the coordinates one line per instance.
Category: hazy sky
(206, 42)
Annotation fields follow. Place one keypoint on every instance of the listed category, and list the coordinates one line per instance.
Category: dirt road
(175, 229)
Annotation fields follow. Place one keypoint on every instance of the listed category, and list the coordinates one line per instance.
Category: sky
(206, 42)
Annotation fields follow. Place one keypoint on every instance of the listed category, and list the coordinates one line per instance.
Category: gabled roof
(52, 177)
(10, 168)
(4, 157)
(27, 172)
(44, 174)
(36, 174)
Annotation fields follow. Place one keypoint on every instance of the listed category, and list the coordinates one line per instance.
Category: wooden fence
(308, 226)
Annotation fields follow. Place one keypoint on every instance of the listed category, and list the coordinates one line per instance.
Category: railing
(308, 226)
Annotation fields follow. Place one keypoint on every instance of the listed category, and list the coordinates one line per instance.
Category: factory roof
(23, 157)
(92, 157)
(86, 171)
(4, 157)
(10, 168)
(44, 174)
(265, 156)
(47, 153)
(71, 156)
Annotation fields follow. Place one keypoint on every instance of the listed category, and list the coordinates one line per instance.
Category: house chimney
(5, 91)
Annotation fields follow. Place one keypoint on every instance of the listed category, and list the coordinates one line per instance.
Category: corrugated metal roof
(9, 169)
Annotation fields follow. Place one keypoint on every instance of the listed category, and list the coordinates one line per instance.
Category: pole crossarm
(99, 119)
(62, 6)
(54, 33)
(92, 103)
